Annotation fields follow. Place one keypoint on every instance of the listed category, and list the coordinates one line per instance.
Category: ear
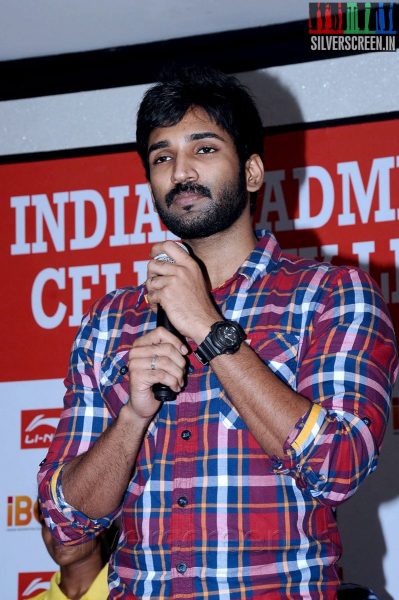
(254, 173)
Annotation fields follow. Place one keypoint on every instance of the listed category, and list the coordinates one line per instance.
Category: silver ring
(154, 362)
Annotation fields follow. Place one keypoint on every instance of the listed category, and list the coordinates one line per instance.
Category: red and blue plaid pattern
(207, 513)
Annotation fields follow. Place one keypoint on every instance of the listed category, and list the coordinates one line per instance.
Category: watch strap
(206, 351)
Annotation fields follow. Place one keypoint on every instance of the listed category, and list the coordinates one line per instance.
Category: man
(83, 573)
(283, 369)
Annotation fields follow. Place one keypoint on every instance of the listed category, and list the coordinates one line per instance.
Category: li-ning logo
(354, 26)
(31, 584)
(38, 427)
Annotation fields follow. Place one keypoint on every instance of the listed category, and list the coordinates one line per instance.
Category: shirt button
(277, 465)
(367, 421)
(182, 501)
(186, 434)
(123, 370)
(181, 568)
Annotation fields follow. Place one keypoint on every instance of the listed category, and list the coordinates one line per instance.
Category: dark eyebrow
(202, 135)
(206, 134)
(157, 146)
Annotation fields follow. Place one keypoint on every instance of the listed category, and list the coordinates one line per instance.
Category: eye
(206, 150)
(161, 159)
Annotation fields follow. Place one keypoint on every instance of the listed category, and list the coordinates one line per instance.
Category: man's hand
(156, 357)
(182, 292)
(107, 466)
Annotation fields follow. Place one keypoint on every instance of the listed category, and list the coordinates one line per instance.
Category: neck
(224, 252)
(77, 577)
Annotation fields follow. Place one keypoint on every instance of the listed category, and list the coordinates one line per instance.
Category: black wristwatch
(225, 337)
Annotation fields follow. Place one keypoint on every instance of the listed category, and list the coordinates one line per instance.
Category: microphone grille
(163, 257)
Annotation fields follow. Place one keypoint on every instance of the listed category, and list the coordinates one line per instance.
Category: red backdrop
(72, 228)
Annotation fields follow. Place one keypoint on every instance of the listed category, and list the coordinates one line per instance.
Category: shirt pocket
(114, 381)
(279, 351)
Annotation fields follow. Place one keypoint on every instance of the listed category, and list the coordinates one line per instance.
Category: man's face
(68, 555)
(197, 181)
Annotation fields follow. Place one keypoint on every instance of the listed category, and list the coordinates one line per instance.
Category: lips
(184, 200)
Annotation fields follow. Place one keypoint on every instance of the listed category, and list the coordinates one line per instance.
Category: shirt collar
(263, 257)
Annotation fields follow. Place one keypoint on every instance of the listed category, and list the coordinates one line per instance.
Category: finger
(172, 249)
(159, 350)
(154, 299)
(157, 283)
(153, 306)
(156, 369)
(146, 379)
(158, 267)
(175, 384)
(160, 335)
(167, 379)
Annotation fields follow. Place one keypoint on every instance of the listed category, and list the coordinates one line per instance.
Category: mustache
(191, 188)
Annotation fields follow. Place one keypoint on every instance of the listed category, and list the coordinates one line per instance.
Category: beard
(226, 206)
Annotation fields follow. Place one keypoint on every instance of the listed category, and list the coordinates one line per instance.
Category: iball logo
(21, 511)
(31, 584)
(38, 427)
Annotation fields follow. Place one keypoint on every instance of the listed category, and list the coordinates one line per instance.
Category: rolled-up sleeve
(84, 418)
(347, 370)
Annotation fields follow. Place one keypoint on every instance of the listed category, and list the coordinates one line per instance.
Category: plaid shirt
(207, 514)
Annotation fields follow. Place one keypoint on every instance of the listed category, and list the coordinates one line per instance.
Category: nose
(183, 170)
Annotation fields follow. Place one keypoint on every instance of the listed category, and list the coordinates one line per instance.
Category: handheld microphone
(162, 392)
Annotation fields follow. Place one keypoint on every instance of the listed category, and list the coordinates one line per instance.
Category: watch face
(227, 335)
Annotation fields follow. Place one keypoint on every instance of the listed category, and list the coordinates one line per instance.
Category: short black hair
(227, 102)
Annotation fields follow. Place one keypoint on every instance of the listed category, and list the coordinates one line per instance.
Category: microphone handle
(162, 392)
